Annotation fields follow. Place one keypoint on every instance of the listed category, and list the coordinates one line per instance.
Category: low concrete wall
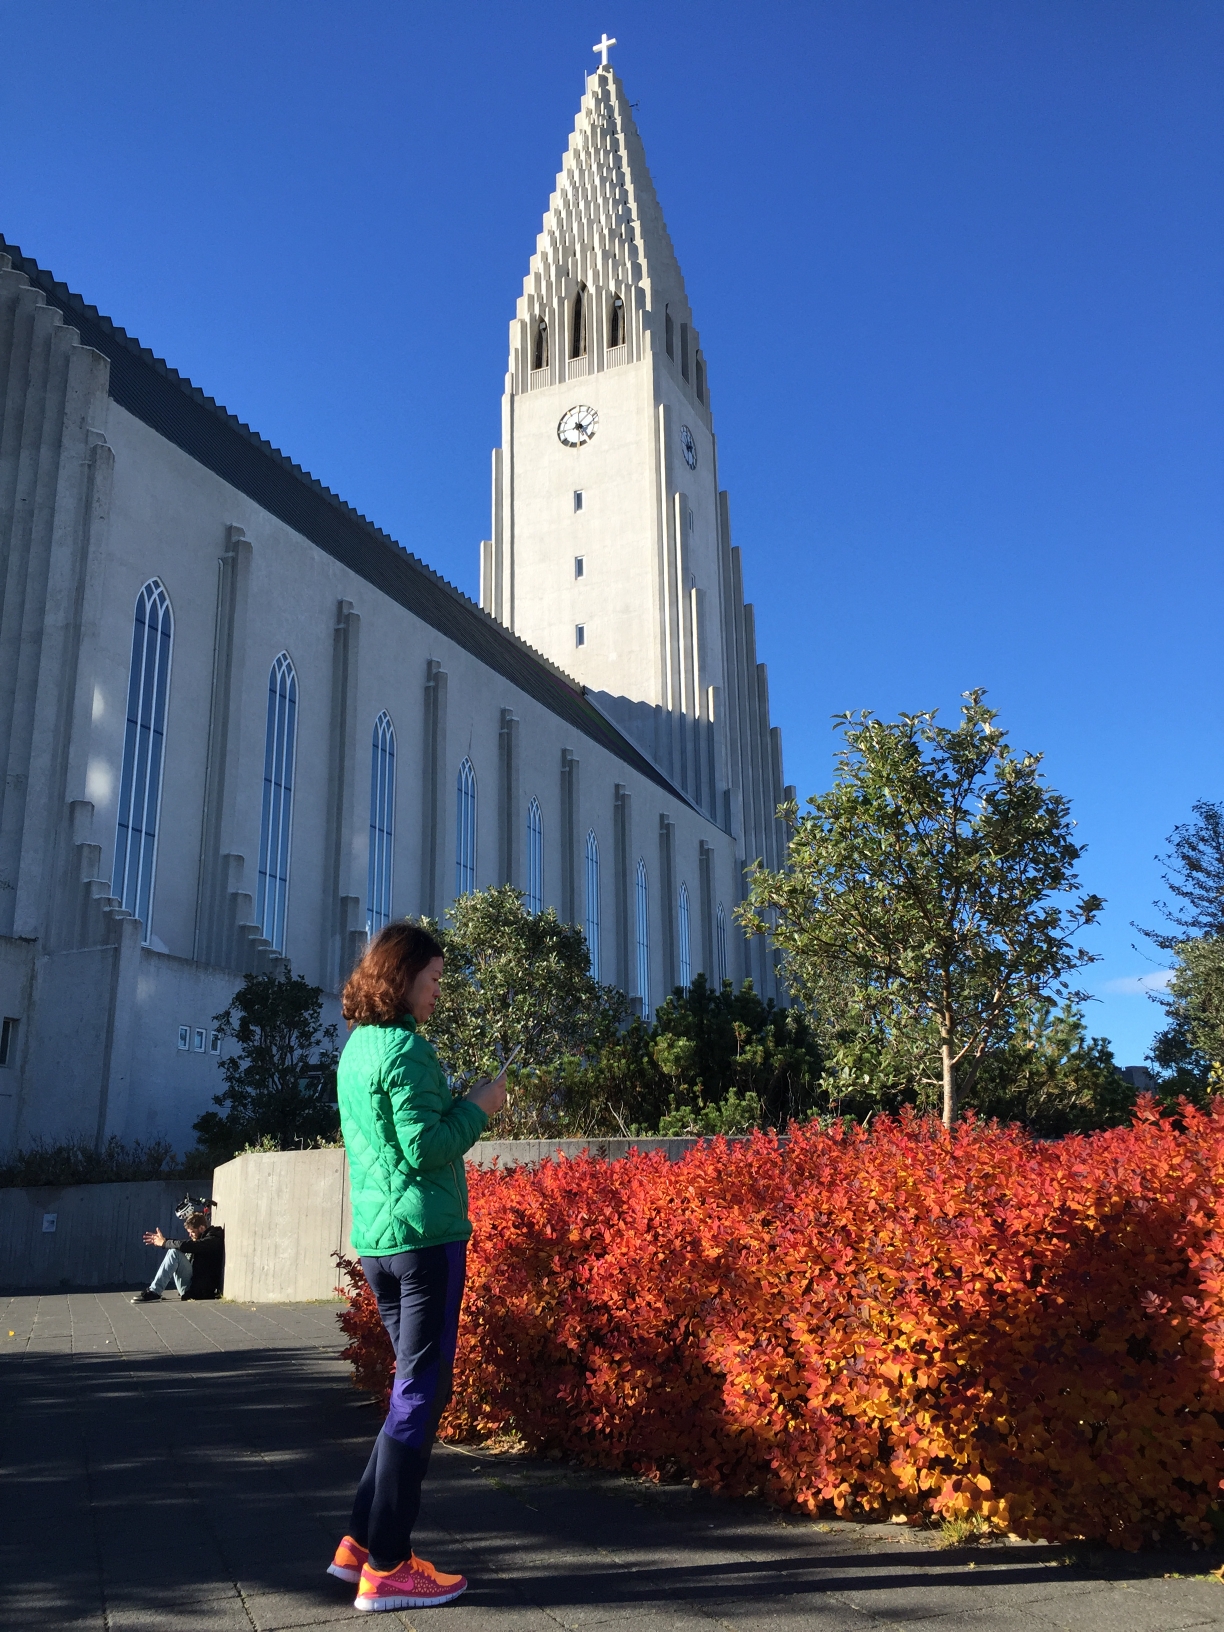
(286, 1212)
(96, 1239)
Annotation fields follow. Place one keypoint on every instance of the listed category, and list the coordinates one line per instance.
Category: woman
(405, 1136)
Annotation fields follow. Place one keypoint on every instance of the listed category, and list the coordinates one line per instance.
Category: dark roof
(170, 405)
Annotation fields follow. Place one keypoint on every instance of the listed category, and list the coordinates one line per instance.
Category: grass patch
(966, 1531)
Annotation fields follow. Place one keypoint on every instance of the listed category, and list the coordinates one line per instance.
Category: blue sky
(958, 270)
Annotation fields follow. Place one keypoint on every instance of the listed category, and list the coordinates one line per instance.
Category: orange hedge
(894, 1321)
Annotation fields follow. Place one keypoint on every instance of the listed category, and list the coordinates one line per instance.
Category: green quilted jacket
(405, 1135)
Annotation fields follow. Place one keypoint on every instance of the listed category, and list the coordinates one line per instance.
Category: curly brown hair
(376, 993)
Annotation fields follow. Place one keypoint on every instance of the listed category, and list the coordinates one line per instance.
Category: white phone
(514, 1054)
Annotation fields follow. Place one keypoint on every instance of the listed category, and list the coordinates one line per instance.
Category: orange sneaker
(414, 1584)
(349, 1560)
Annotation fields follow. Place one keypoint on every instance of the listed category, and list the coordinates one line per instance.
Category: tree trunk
(949, 1085)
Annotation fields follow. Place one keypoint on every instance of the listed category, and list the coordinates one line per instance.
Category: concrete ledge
(285, 1213)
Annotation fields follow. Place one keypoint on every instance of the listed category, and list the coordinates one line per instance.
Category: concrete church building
(239, 724)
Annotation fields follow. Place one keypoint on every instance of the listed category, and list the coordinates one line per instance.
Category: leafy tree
(280, 1085)
(920, 901)
(717, 1045)
(612, 1094)
(511, 977)
(1180, 1068)
(1189, 1050)
(1194, 876)
(715, 1061)
(514, 976)
(1054, 1078)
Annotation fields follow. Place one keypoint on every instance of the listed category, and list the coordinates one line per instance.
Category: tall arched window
(643, 938)
(616, 323)
(592, 901)
(539, 354)
(382, 824)
(578, 329)
(143, 752)
(721, 937)
(276, 820)
(535, 858)
(465, 830)
(686, 961)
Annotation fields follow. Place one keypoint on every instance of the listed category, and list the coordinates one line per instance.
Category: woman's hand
(489, 1093)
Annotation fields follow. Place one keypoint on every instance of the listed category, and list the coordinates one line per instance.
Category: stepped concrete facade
(240, 725)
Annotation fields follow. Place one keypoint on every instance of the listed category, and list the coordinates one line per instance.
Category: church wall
(118, 1067)
(170, 1087)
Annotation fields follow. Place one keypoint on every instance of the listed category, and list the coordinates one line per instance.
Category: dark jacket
(207, 1262)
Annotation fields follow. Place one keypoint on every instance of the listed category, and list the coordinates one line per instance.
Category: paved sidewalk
(192, 1466)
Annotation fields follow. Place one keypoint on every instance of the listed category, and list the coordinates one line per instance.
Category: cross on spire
(602, 47)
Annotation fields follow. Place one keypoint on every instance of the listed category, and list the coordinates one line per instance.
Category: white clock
(689, 447)
(577, 426)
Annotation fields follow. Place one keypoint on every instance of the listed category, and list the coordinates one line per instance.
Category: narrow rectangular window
(8, 1042)
(184, 1037)
(143, 753)
(276, 819)
(580, 634)
(465, 837)
(643, 940)
(577, 500)
(214, 1042)
(535, 858)
(579, 566)
(684, 366)
(700, 380)
(669, 334)
(592, 902)
(200, 1038)
(690, 521)
(382, 824)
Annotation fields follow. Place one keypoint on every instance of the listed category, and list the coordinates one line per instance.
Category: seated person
(196, 1265)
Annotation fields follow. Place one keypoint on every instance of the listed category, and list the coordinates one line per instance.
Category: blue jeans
(418, 1295)
(176, 1267)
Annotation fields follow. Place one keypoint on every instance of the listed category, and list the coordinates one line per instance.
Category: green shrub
(79, 1161)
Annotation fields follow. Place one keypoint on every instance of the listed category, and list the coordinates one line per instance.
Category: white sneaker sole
(406, 1600)
(341, 1574)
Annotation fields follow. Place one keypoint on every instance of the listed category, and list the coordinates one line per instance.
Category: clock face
(577, 426)
(689, 447)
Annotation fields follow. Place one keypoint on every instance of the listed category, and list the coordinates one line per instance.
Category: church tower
(610, 550)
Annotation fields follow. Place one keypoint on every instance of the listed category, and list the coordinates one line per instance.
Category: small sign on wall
(49, 1220)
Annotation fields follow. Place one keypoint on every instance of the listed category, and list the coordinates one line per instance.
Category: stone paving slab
(192, 1465)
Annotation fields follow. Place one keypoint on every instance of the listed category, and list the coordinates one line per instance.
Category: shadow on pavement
(134, 1483)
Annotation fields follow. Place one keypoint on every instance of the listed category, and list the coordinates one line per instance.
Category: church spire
(610, 549)
(604, 274)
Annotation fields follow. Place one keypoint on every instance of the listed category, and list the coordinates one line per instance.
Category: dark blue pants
(418, 1295)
